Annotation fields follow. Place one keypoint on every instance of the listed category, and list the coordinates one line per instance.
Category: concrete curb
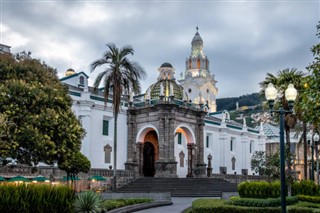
(138, 207)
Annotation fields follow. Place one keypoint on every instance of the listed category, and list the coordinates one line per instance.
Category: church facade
(172, 130)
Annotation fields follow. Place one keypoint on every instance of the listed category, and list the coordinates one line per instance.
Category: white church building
(172, 130)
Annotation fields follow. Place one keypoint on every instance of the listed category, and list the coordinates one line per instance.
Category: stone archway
(185, 144)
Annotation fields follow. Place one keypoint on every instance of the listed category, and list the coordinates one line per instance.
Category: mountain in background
(247, 107)
(244, 100)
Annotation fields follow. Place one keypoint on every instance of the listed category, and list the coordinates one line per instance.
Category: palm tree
(120, 77)
(281, 81)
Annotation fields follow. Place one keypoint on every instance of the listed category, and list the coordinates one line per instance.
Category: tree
(311, 96)
(281, 82)
(37, 106)
(120, 77)
(268, 165)
(74, 163)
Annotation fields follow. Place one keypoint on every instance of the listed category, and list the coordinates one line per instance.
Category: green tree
(268, 165)
(311, 94)
(281, 82)
(74, 163)
(120, 77)
(38, 107)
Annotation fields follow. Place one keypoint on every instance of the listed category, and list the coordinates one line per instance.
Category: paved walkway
(179, 204)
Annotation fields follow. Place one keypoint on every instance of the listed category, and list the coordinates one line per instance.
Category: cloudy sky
(242, 39)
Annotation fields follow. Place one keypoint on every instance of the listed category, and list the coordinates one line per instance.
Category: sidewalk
(179, 204)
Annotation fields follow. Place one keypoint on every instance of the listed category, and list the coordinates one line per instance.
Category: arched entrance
(148, 159)
(185, 151)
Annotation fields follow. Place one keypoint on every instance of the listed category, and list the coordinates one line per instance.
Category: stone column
(140, 160)
(190, 159)
(209, 168)
(201, 166)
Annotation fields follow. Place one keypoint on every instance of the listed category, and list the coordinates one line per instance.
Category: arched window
(181, 156)
(81, 80)
(190, 63)
(198, 63)
(233, 161)
(107, 153)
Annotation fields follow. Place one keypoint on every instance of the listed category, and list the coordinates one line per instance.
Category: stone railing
(239, 178)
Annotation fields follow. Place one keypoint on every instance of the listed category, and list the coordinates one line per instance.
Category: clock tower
(198, 83)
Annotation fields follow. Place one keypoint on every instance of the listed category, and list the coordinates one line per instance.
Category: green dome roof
(155, 89)
(166, 64)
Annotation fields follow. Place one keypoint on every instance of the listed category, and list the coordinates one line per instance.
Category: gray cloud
(243, 40)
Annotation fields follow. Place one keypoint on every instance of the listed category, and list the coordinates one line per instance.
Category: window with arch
(233, 162)
(107, 153)
(190, 64)
(81, 80)
(198, 63)
(181, 158)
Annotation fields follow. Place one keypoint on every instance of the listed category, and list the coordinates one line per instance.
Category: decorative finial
(197, 28)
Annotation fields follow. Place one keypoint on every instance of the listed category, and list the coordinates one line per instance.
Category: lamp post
(316, 141)
(290, 95)
(311, 143)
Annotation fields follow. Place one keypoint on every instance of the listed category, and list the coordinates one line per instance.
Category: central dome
(166, 64)
(156, 88)
(166, 82)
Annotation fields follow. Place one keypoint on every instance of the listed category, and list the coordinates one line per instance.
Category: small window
(233, 161)
(107, 153)
(181, 156)
(81, 80)
(232, 145)
(105, 127)
(179, 138)
(207, 141)
(189, 90)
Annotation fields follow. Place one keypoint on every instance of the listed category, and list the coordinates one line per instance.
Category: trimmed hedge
(261, 189)
(118, 203)
(220, 206)
(312, 199)
(272, 190)
(305, 187)
(35, 198)
(269, 202)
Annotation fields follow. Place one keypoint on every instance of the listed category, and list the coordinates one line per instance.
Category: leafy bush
(259, 189)
(270, 202)
(220, 206)
(118, 203)
(35, 198)
(305, 187)
(312, 199)
(88, 201)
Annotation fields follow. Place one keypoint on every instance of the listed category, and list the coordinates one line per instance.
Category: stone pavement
(179, 204)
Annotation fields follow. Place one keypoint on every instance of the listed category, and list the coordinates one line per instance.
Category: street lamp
(290, 94)
(313, 144)
(316, 141)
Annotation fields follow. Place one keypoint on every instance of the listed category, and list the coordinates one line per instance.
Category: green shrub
(220, 206)
(35, 198)
(312, 199)
(269, 202)
(305, 187)
(259, 189)
(88, 201)
(300, 210)
(118, 203)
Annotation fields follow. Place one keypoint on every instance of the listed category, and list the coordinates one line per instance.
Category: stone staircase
(181, 187)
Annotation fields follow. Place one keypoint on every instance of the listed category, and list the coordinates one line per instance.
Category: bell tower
(198, 83)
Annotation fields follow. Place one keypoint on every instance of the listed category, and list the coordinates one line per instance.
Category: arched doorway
(148, 159)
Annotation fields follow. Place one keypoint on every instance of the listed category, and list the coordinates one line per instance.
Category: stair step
(182, 187)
